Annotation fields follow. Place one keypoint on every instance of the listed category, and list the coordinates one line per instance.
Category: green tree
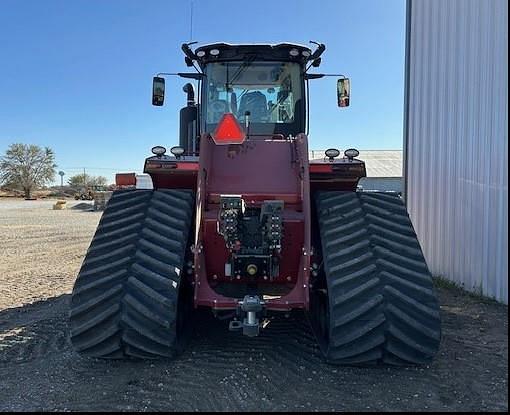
(99, 181)
(84, 180)
(27, 167)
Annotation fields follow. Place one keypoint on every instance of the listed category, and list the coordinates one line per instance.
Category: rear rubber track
(381, 300)
(126, 297)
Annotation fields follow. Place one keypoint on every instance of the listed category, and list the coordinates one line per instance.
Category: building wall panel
(456, 139)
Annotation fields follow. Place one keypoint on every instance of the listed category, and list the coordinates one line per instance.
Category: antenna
(191, 21)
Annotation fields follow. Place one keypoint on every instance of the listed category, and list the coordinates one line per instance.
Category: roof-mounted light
(201, 53)
(214, 52)
(306, 53)
(294, 52)
(177, 151)
(331, 153)
(158, 150)
(351, 153)
(228, 131)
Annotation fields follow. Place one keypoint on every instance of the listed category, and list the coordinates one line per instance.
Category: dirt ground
(40, 253)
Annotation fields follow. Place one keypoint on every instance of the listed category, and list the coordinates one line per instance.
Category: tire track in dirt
(253, 369)
(33, 331)
(217, 364)
(220, 364)
(18, 346)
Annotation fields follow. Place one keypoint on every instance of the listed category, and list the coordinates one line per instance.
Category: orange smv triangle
(228, 131)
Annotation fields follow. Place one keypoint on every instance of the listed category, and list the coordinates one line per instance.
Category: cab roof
(253, 51)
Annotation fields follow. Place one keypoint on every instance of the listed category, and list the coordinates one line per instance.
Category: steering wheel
(219, 105)
(217, 108)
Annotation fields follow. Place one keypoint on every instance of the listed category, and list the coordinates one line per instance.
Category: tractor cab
(263, 86)
(244, 94)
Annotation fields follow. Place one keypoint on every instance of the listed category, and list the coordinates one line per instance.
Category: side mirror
(158, 91)
(343, 90)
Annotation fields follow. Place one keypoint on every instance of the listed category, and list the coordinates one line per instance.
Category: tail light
(228, 131)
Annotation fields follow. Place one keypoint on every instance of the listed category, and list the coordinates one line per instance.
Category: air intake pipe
(188, 122)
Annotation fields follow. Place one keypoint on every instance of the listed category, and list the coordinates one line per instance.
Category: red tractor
(242, 222)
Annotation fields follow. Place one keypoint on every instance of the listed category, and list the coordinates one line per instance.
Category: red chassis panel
(260, 169)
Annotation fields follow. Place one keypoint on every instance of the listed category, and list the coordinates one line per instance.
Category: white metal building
(384, 169)
(456, 139)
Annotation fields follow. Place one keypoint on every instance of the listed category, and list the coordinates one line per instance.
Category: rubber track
(124, 301)
(382, 304)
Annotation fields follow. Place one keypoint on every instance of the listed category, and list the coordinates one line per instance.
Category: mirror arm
(313, 76)
(322, 75)
(198, 76)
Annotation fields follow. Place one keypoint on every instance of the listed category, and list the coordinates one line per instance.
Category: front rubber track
(125, 299)
(381, 302)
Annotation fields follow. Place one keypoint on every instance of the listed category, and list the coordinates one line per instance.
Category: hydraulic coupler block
(231, 210)
(271, 220)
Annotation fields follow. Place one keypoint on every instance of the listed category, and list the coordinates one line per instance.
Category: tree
(99, 181)
(85, 180)
(27, 167)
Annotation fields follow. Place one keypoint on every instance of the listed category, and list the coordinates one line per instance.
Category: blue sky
(76, 75)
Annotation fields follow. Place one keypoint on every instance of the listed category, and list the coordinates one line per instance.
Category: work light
(350, 153)
(177, 151)
(331, 153)
(158, 150)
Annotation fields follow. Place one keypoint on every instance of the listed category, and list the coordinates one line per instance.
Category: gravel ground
(41, 251)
